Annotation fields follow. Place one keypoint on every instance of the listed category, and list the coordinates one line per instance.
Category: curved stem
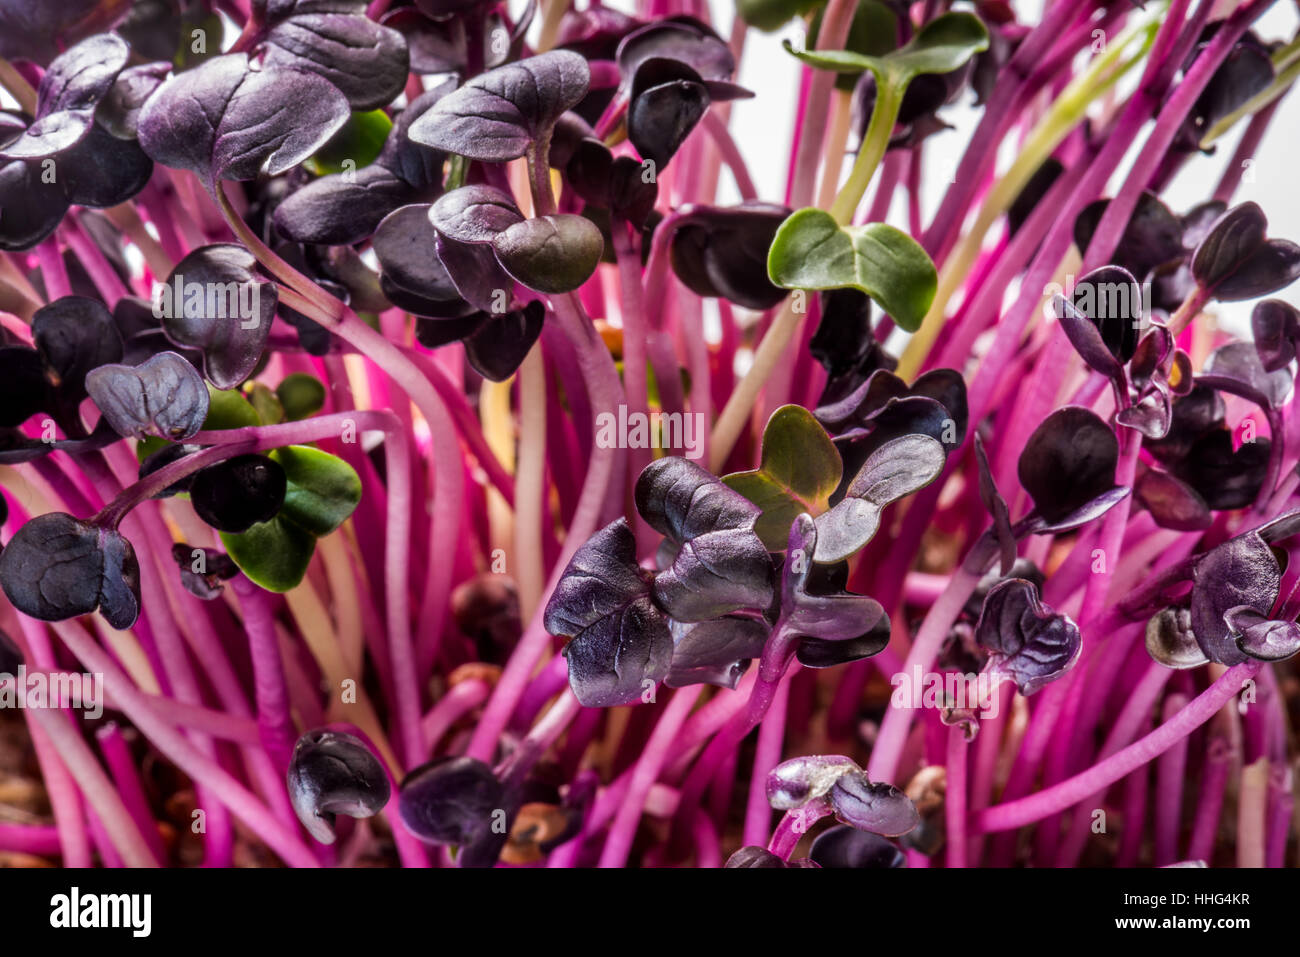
(1035, 807)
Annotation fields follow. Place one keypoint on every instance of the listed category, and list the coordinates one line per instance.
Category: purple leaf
(715, 652)
(720, 565)
(1171, 642)
(331, 774)
(898, 468)
(498, 115)
(1068, 462)
(551, 254)
(450, 801)
(224, 120)
(1241, 572)
(1275, 326)
(876, 807)
(1031, 644)
(798, 781)
(56, 567)
(163, 396)
(847, 847)
(215, 302)
(1261, 638)
(620, 639)
(335, 40)
(474, 214)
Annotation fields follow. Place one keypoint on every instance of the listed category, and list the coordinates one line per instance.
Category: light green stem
(889, 97)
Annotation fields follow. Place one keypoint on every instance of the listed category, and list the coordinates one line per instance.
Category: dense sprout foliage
(444, 455)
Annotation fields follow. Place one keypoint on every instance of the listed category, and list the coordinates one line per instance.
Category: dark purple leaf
(620, 643)
(1237, 261)
(838, 616)
(720, 565)
(996, 506)
(341, 208)
(37, 29)
(668, 100)
(102, 171)
(366, 61)
(224, 120)
(798, 781)
(203, 569)
(715, 652)
(498, 115)
(551, 254)
(73, 336)
(24, 390)
(405, 244)
(119, 112)
(1111, 299)
(876, 807)
(30, 210)
(1153, 236)
(499, 345)
(843, 339)
(897, 469)
(618, 184)
(331, 774)
(677, 38)
(847, 847)
(56, 567)
(451, 801)
(1236, 368)
(1241, 572)
(1068, 462)
(1170, 641)
(236, 494)
(215, 302)
(474, 214)
(1225, 477)
(753, 856)
(69, 92)
(722, 251)
(1033, 192)
(1031, 644)
(1172, 502)
(163, 396)
(1261, 638)
(476, 274)
(1275, 326)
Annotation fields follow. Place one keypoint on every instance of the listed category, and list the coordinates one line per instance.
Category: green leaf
(356, 145)
(148, 445)
(941, 46)
(266, 403)
(874, 32)
(228, 409)
(322, 489)
(771, 15)
(301, 395)
(799, 470)
(812, 251)
(272, 554)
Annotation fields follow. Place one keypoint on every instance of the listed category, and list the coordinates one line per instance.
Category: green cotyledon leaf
(273, 554)
(941, 46)
(812, 251)
(322, 489)
(798, 471)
